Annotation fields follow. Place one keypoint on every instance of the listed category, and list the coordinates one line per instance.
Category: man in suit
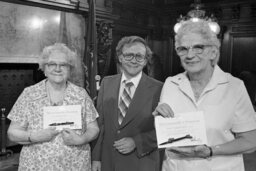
(127, 140)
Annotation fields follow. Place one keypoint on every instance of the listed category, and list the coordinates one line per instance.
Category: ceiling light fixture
(197, 14)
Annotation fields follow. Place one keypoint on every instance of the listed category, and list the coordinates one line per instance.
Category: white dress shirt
(135, 80)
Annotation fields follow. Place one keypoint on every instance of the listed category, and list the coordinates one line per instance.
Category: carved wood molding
(226, 11)
(83, 8)
(244, 29)
(104, 38)
(133, 4)
(138, 18)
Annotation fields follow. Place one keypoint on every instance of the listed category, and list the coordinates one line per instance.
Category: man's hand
(96, 166)
(164, 110)
(125, 145)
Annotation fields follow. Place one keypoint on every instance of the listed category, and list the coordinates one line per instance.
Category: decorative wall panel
(12, 83)
(243, 52)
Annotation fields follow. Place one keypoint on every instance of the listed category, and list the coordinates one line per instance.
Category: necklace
(56, 97)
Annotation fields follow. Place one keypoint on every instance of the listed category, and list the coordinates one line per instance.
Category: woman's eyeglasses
(198, 49)
(53, 65)
(138, 57)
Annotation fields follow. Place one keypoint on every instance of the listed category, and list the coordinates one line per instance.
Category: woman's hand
(70, 137)
(44, 135)
(201, 151)
(164, 110)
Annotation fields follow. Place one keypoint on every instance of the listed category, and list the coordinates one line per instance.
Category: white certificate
(62, 117)
(185, 129)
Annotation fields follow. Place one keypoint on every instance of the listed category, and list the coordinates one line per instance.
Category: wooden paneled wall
(239, 48)
(155, 22)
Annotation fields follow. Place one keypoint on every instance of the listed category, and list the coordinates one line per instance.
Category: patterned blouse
(53, 155)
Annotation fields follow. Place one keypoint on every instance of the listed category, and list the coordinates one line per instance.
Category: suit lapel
(140, 97)
(113, 93)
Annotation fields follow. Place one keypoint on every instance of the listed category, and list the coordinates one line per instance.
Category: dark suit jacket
(138, 124)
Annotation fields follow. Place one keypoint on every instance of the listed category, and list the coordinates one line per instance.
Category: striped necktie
(125, 100)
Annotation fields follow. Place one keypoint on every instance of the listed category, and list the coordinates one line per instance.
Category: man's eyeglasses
(52, 65)
(129, 56)
(198, 49)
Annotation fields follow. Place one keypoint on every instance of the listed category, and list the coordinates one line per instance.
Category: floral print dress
(53, 155)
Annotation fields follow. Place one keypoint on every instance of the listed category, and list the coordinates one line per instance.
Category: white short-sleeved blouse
(227, 108)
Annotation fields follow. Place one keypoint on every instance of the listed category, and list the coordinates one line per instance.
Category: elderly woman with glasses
(228, 113)
(52, 148)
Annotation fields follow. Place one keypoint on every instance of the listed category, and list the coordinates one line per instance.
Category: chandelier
(197, 14)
